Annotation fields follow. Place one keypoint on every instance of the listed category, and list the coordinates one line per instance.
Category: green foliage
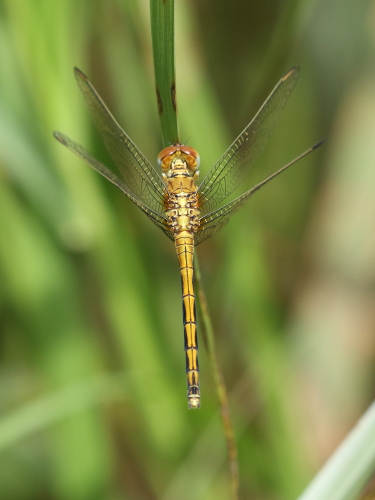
(92, 383)
(162, 30)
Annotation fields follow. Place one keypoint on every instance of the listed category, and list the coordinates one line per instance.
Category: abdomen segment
(184, 243)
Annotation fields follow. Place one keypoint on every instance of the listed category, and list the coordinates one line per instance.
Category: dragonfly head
(180, 157)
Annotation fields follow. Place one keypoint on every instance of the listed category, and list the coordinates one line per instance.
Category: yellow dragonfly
(186, 211)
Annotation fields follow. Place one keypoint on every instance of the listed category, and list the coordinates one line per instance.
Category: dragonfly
(187, 211)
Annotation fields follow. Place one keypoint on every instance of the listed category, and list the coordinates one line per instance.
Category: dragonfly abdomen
(184, 243)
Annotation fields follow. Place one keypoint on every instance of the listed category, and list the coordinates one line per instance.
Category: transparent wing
(226, 175)
(156, 217)
(205, 233)
(214, 221)
(138, 174)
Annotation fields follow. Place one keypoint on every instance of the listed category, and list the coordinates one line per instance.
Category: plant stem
(162, 31)
(209, 338)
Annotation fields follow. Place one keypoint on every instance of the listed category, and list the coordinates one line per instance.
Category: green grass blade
(46, 411)
(162, 29)
(350, 467)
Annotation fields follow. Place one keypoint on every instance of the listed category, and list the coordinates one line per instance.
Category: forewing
(156, 217)
(138, 174)
(226, 175)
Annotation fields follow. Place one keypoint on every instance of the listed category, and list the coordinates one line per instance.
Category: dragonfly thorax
(182, 204)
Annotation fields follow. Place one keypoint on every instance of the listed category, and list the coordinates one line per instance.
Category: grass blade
(208, 334)
(350, 467)
(162, 30)
(48, 410)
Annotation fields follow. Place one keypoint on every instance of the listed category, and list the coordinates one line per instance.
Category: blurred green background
(92, 382)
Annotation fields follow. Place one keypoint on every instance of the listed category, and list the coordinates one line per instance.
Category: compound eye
(164, 153)
(187, 150)
(193, 153)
